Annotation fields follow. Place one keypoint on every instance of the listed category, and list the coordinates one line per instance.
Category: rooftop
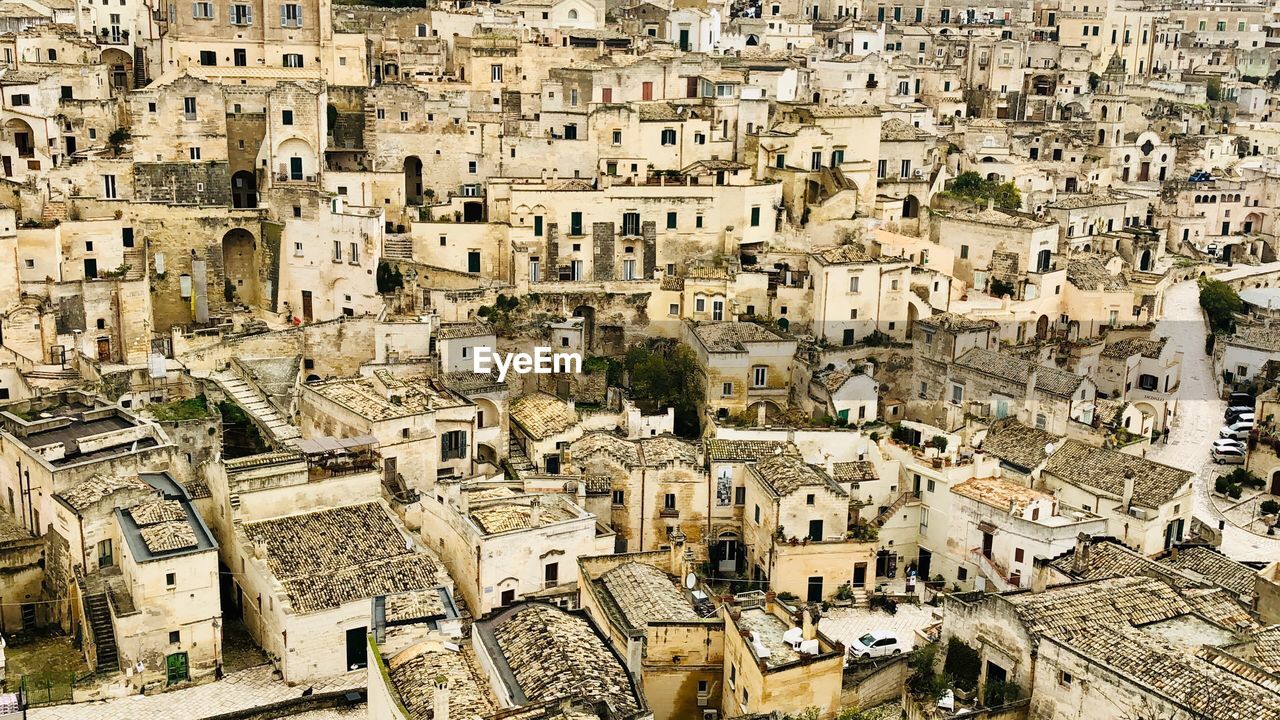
(1257, 336)
(1019, 445)
(1128, 347)
(785, 474)
(998, 218)
(956, 322)
(1072, 201)
(455, 330)
(766, 629)
(1018, 371)
(645, 594)
(856, 471)
(542, 415)
(1214, 567)
(327, 558)
(386, 397)
(98, 487)
(846, 254)
(733, 336)
(542, 653)
(164, 526)
(1089, 273)
(501, 516)
(416, 670)
(1063, 610)
(1104, 470)
(1000, 494)
(719, 450)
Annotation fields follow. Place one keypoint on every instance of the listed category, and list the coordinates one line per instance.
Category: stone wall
(195, 183)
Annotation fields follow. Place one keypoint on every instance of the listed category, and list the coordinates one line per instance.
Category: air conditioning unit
(917, 173)
(710, 714)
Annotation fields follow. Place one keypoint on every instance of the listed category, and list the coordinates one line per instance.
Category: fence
(48, 688)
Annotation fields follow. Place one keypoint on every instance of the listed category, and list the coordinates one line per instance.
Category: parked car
(1227, 443)
(1238, 430)
(1240, 398)
(1242, 417)
(1228, 455)
(1199, 176)
(1236, 411)
(876, 643)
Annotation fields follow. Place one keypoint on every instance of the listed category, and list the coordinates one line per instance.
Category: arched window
(573, 14)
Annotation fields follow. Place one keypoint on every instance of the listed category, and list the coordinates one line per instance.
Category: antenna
(690, 581)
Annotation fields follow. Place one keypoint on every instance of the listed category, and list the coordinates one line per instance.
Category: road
(1199, 417)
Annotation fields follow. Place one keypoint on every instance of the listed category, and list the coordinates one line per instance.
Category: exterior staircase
(98, 614)
(278, 429)
(893, 508)
(397, 246)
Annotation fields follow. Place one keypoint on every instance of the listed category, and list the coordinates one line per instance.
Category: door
(646, 90)
(8, 166)
(28, 615)
(1226, 228)
(815, 589)
(90, 268)
(988, 540)
(473, 261)
(71, 145)
(104, 349)
(923, 563)
(389, 471)
(1144, 171)
(1275, 483)
(357, 648)
(295, 168)
(815, 529)
(684, 39)
(176, 668)
(728, 556)
(860, 575)
(508, 597)
(306, 306)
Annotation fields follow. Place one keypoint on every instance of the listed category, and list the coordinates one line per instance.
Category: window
(353, 254)
(757, 514)
(906, 169)
(337, 251)
(291, 15)
(202, 10)
(628, 269)
(194, 153)
(20, 100)
(1041, 421)
(957, 394)
(810, 499)
(618, 497)
(106, 554)
(189, 108)
(631, 223)
(668, 137)
(1065, 678)
(669, 501)
(126, 237)
(551, 574)
(534, 270)
(740, 496)
(759, 375)
(453, 445)
(726, 389)
(617, 137)
(239, 57)
(241, 15)
(854, 283)
(294, 60)
(109, 187)
(964, 252)
(175, 637)
(171, 580)
(68, 93)
(286, 117)
(571, 132)
(473, 261)
(1017, 555)
(575, 223)
(924, 520)
(472, 167)
(495, 73)
(780, 161)
(930, 486)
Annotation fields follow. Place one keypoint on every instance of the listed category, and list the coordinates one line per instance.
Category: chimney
(1039, 574)
(535, 511)
(1080, 560)
(809, 629)
(260, 549)
(1127, 498)
(991, 203)
(440, 699)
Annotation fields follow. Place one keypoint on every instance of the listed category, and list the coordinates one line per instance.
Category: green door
(176, 667)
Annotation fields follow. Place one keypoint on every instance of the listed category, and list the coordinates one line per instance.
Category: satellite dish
(691, 581)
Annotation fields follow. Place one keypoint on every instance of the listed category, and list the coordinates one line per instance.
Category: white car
(1238, 430)
(1227, 444)
(876, 643)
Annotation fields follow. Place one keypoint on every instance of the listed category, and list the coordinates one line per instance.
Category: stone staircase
(53, 211)
(278, 429)
(136, 260)
(98, 613)
(890, 511)
(397, 247)
(52, 372)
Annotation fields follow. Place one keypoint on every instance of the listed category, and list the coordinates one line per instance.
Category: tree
(117, 139)
(1006, 195)
(1213, 89)
(924, 682)
(500, 312)
(669, 375)
(1220, 302)
(967, 183)
(1270, 507)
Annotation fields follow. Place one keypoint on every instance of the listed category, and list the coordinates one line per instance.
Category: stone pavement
(1199, 416)
(238, 691)
(846, 624)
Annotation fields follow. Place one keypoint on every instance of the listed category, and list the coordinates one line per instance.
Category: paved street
(1199, 417)
(237, 691)
(846, 624)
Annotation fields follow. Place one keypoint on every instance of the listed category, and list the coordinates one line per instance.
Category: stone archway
(588, 315)
(240, 267)
(910, 207)
(120, 68)
(244, 190)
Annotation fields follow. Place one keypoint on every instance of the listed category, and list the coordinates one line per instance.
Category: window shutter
(195, 10)
(299, 15)
(284, 16)
(248, 14)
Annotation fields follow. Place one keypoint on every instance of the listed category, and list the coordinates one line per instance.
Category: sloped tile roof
(1088, 273)
(330, 557)
(169, 536)
(856, 471)
(1065, 610)
(1104, 470)
(749, 450)
(415, 671)
(732, 336)
(1017, 444)
(646, 594)
(785, 474)
(97, 487)
(1017, 370)
(1128, 347)
(542, 415)
(1215, 568)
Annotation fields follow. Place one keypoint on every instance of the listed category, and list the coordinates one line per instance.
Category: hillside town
(740, 360)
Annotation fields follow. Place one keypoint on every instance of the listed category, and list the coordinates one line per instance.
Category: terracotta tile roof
(330, 557)
(1256, 336)
(415, 672)
(600, 444)
(1017, 371)
(1267, 648)
(1104, 470)
(748, 450)
(666, 450)
(169, 536)
(499, 517)
(1128, 347)
(1106, 558)
(846, 254)
(1088, 273)
(1065, 610)
(1209, 692)
(1215, 568)
(733, 336)
(555, 654)
(414, 605)
(157, 511)
(785, 474)
(646, 594)
(957, 323)
(97, 487)
(856, 471)
(1017, 444)
(895, 129)
(402, 397)
(455, 330)
(542, 415)
(1221, 607)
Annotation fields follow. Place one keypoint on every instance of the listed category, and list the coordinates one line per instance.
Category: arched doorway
(412, 180)
(120, 68)
(1144, 261)
(473, 211)
(244, 190)
(910, 207)
(239, 267)
(588, 315)
(22, 137)
(1275, 483)
(1042, 328)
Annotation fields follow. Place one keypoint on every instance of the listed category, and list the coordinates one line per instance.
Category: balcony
(667, 512)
